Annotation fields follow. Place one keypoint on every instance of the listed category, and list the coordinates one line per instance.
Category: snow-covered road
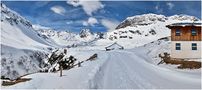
(129, 70)
(116, 69)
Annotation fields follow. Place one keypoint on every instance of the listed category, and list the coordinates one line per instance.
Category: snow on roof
(184, 24)
(114, 46)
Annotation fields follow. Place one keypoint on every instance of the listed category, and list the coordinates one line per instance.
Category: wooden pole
(60, 71)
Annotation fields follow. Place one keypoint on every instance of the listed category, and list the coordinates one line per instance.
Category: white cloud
(157, 7)
(40, 4)
(74, 3)
(37, 27)
(85, 23)
(110, 24)
(91, 21)
(159, 10)
(170, 5)
(69, 22)
(88, 6)
(58, 9)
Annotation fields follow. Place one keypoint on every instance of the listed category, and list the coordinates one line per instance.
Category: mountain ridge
(146, 19)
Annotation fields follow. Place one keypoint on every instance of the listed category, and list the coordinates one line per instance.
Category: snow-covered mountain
(147, 19)
(25, 46)
(141, 29)
(67, 38)
(22, 49)
(85, 33)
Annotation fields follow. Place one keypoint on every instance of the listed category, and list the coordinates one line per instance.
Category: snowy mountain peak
(144, 19)
(85, 33)
(147, 19)
(182, 17)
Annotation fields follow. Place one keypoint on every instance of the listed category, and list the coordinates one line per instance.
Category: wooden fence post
(60, 70)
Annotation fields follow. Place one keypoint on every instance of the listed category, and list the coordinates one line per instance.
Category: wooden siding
(186, 34)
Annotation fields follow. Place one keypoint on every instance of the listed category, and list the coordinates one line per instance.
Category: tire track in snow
(115, 73)
(127, 77)
(125, 69)
(135, 76)
(94, 83)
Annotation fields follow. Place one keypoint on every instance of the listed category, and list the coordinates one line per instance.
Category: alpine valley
(26, 49)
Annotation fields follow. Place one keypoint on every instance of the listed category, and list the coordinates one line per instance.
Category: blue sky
(98, 15)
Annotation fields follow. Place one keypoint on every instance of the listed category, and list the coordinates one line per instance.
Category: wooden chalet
(185, 40)
(114, 46)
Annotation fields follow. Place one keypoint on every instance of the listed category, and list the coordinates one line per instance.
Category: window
(193, 32)
(194, 46)
(178, 46)
(177, 32)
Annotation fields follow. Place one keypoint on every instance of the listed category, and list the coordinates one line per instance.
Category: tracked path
(128, 70)
(123, 69)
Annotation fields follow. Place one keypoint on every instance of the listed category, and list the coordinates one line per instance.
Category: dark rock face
(85, 33)
(124, 24)
(100, 35)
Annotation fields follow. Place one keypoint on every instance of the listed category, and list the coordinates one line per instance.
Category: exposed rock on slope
(142, 29)
(147, 19)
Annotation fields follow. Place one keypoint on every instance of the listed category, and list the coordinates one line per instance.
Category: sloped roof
(114, 45)
(184, 24)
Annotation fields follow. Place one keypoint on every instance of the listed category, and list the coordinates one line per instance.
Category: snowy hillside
(142, 29)
(22, 48)
(157, 47)
(17, 32)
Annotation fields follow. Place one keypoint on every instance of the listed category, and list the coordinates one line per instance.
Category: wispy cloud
(158, 8)
(58, 9)
(91, 22)
(110, 24)
(170, 5)
(69, 22)
(39, 4)
(88, 6)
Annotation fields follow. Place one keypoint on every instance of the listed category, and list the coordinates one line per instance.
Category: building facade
(186, 40)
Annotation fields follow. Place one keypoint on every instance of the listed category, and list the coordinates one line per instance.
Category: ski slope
(121, 69)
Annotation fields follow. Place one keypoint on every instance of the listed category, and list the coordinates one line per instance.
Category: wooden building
(185, 40)
(114, 46)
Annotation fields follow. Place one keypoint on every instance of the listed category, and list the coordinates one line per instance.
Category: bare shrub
(183, 64)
